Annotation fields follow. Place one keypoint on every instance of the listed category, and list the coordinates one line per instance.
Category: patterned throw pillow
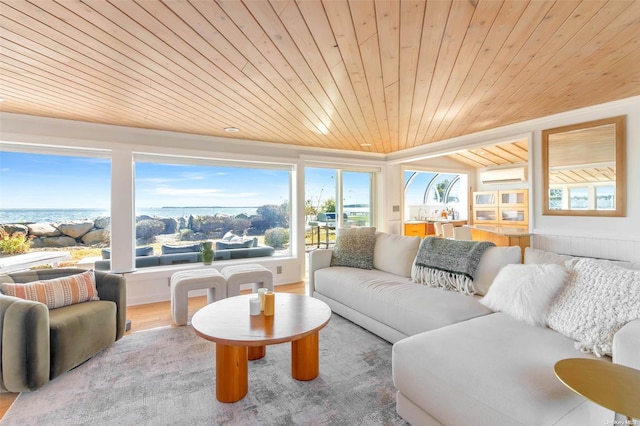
(597, 302)
(57, 292)
(354, 247)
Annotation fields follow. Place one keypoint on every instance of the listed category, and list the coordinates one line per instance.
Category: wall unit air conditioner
(510, 175)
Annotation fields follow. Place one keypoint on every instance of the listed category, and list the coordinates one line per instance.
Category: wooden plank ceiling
(375, 76)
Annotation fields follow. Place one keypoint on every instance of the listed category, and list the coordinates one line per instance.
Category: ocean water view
(63, 215)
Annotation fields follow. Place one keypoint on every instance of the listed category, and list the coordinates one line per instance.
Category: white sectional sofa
(456, 362)
(385, 300)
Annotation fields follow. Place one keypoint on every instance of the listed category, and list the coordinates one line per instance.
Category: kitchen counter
(502, 235)
(422, 228)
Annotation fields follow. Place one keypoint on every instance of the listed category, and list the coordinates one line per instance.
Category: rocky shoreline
(94, 233)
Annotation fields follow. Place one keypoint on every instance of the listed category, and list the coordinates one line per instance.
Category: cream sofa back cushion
(395, 253)
(493, 259)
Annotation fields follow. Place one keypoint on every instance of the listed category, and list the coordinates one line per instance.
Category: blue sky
(55, 182)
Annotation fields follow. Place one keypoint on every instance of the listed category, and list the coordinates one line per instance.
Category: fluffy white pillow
(525, 292)
(599, 299)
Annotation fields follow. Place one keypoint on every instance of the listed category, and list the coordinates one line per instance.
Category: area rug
(167, 377)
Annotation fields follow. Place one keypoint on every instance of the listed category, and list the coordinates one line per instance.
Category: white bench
(236, 275)
(21, 262)
(184, 281)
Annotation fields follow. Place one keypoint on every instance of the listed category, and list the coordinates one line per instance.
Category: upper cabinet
(505, 208)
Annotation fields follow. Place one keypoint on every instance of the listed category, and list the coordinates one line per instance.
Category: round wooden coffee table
(614, 386)
(240, 337)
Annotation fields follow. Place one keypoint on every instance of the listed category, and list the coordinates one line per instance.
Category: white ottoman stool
(246, 274)
(184, 281)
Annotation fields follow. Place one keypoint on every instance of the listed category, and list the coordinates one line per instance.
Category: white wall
(617, 238)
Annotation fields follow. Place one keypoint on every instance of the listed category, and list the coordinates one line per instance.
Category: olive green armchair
(38, 344)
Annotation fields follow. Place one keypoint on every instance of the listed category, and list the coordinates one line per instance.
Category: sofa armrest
(114, 288)
(24, 344)
(318, 259)
(626, 345)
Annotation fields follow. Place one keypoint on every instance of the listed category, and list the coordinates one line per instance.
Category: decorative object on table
(254, 306)
(261, 293)
(269, 303)
(207, 252)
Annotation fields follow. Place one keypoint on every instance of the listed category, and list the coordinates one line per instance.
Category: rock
(63, 241)
(75, 229)
(37, 243)
(11, 229)
(43, 230)
(170, 225)
(96, 236)
(102, 223)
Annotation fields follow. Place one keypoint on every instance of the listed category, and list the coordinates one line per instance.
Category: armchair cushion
(57, 292)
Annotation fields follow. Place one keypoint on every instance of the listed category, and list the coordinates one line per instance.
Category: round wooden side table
(240, 337)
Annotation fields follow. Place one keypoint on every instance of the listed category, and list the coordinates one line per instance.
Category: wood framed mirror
(583, 168)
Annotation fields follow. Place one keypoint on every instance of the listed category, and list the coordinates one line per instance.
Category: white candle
(254, 306)
(261, 292)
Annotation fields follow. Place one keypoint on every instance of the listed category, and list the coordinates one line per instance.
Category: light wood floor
(154, 315)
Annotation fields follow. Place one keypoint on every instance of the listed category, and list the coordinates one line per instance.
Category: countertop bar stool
(462, 233)
(447, 230)
(438, 228)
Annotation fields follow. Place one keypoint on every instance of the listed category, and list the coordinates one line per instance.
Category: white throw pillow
(395, 253)
(525, 292)
(599, 299)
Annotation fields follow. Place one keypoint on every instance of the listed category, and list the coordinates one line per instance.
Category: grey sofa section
(176, 255)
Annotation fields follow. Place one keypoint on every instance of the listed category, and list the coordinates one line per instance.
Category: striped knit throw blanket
(449, 264)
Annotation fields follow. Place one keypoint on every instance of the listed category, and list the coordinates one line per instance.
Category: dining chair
(462, 233)
(438, 228)
(447, 230)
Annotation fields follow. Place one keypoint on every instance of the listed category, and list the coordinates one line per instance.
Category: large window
(181, 203)
(428, 194)
(337, 198)
(57, 203)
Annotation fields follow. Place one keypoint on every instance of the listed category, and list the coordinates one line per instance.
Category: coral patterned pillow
(57, 292)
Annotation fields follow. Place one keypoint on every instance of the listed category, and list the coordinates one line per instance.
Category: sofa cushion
(236, 243)
(535, 256)
(80, 331)
(395, 253)
(525, 292)
(396, 301)
(58, 292)
(491, 369)
(493, 259)
(189, 248)
(354, 247)
(140, 251)
(599, 299)
(532, 255)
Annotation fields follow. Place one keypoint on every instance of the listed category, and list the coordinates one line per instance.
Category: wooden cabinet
(507, 208)
(484, 199)
(415, 229)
